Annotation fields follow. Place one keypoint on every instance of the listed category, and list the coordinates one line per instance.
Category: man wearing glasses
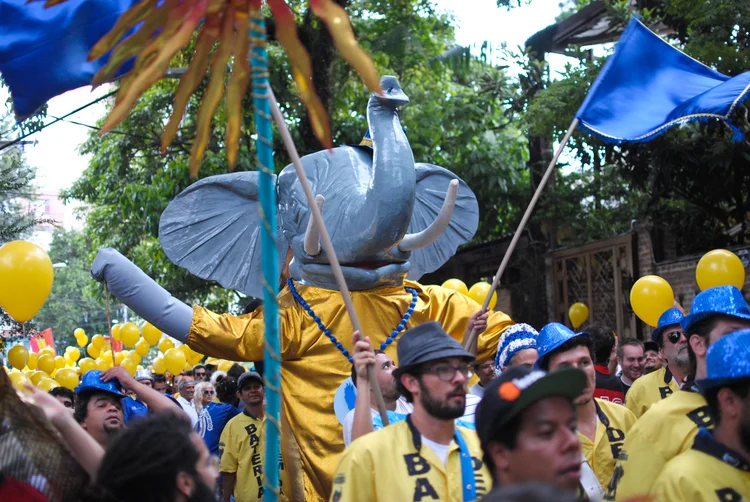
(425, 456)
(659, 384)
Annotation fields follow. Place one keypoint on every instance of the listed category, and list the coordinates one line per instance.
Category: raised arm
(142, 294)
(155, 400)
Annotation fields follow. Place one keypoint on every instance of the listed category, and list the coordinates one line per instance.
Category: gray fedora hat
(426, 342)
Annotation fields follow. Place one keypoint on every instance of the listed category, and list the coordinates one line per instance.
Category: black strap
(602, 416)
(705, 443)
(668, 376)
(690, 387)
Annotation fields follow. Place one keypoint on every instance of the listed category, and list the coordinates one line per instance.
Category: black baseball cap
(249, 375)
(519, 387)
(650, 345)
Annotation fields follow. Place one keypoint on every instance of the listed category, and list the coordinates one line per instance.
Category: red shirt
(608, 387)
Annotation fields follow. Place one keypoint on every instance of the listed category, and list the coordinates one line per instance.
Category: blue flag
(647, 86)
(43, 52)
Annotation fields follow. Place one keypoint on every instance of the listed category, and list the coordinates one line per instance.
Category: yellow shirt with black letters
(243, 449)
(667, 429)
(392, 464)
(614, 422)
(708, 472)
(650, 389)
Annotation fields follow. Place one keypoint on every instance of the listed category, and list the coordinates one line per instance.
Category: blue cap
(92, 381)
(669, 318)
(515, 338)
(551, 337)
(723, 300)
(728, 360)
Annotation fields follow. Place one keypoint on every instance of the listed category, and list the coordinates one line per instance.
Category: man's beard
(681, 359)
(442, 409)
(649, 369)
(203, 492)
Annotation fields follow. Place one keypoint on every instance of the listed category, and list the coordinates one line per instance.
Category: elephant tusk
(412, 242)
(312, 235)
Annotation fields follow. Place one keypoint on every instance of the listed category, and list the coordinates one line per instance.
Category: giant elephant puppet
(390, 222)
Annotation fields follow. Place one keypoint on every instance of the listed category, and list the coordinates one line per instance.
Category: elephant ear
(212, 229)
(432, 186)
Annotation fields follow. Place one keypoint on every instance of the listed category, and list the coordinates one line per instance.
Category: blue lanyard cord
(467, 470)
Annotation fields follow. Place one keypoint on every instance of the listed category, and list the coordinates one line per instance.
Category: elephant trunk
(389, 199)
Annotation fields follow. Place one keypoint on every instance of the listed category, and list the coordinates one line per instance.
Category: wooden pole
(469, 341)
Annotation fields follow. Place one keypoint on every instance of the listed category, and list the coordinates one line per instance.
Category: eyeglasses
(208, 392)
(446, 372)
(674, 337)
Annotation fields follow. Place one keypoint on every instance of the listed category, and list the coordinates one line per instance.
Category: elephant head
(387, 215)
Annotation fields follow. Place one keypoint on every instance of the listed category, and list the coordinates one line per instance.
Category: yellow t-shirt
(650, 389)
(313, 368)
(665, 431)
(614, 422)
(392, 464)
(708, 472)
(242, 447)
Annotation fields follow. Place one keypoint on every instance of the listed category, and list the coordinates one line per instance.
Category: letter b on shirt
(416, 465)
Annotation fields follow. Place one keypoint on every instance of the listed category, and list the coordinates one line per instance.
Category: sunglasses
(208, 393)
(674, 337)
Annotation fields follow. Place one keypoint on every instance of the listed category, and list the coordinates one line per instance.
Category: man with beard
(243, 445)
(717, 467)
(425, 457)
(527, 426)
(602, 425)
(670, 426)
(664, 381)
(651, 359)
(365, 418)
(630, 358)
(158, 459)
(98, 406)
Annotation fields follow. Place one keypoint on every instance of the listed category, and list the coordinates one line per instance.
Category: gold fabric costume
(313, 368)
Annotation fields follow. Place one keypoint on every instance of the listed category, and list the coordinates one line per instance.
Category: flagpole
(325, 240)
(470, 340)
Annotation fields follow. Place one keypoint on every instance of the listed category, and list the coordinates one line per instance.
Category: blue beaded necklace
(334, 341)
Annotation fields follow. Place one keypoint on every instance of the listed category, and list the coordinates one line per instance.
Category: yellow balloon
(93, 351)
(78, 332)
(129, 334)
(67, 378)
(139, 367)
(59, 362)
(31, 362)
(578, 313)
(103, 364)
(26, 274)
(36, 376)
(97, 341)
(158, 366)
(129, 365)
(18, 356)
(224, 365)
(478, 292)
(115, 331)
(74, 353)
(719, 268)
(165, 344)
(174, 361)
(82, 340)
(142, 347)
(47, 384)
(47, 350)
(19, 380)
(187, 366)
(456, 285)
(151, 334)
(119, 357)
(650, 297)
(46, 363)
(195, 358)
(86, 364)
(68, 361)
(135, 356)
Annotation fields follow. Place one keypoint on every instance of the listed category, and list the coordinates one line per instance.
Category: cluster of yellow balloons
(478, 292)
(45, 370)
(28, 269)
(175, 359)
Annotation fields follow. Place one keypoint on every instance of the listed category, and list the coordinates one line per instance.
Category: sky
(55, 149)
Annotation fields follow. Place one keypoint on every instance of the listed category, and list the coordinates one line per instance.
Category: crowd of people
(552, 415)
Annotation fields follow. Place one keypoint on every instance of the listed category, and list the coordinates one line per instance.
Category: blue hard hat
(92, 381)
(723, 300)
(669, 318)
(552, 336)
(727, 360)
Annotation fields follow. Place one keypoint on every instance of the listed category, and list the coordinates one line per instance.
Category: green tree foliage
(72, 303)
(458, 118)
(693, 181)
